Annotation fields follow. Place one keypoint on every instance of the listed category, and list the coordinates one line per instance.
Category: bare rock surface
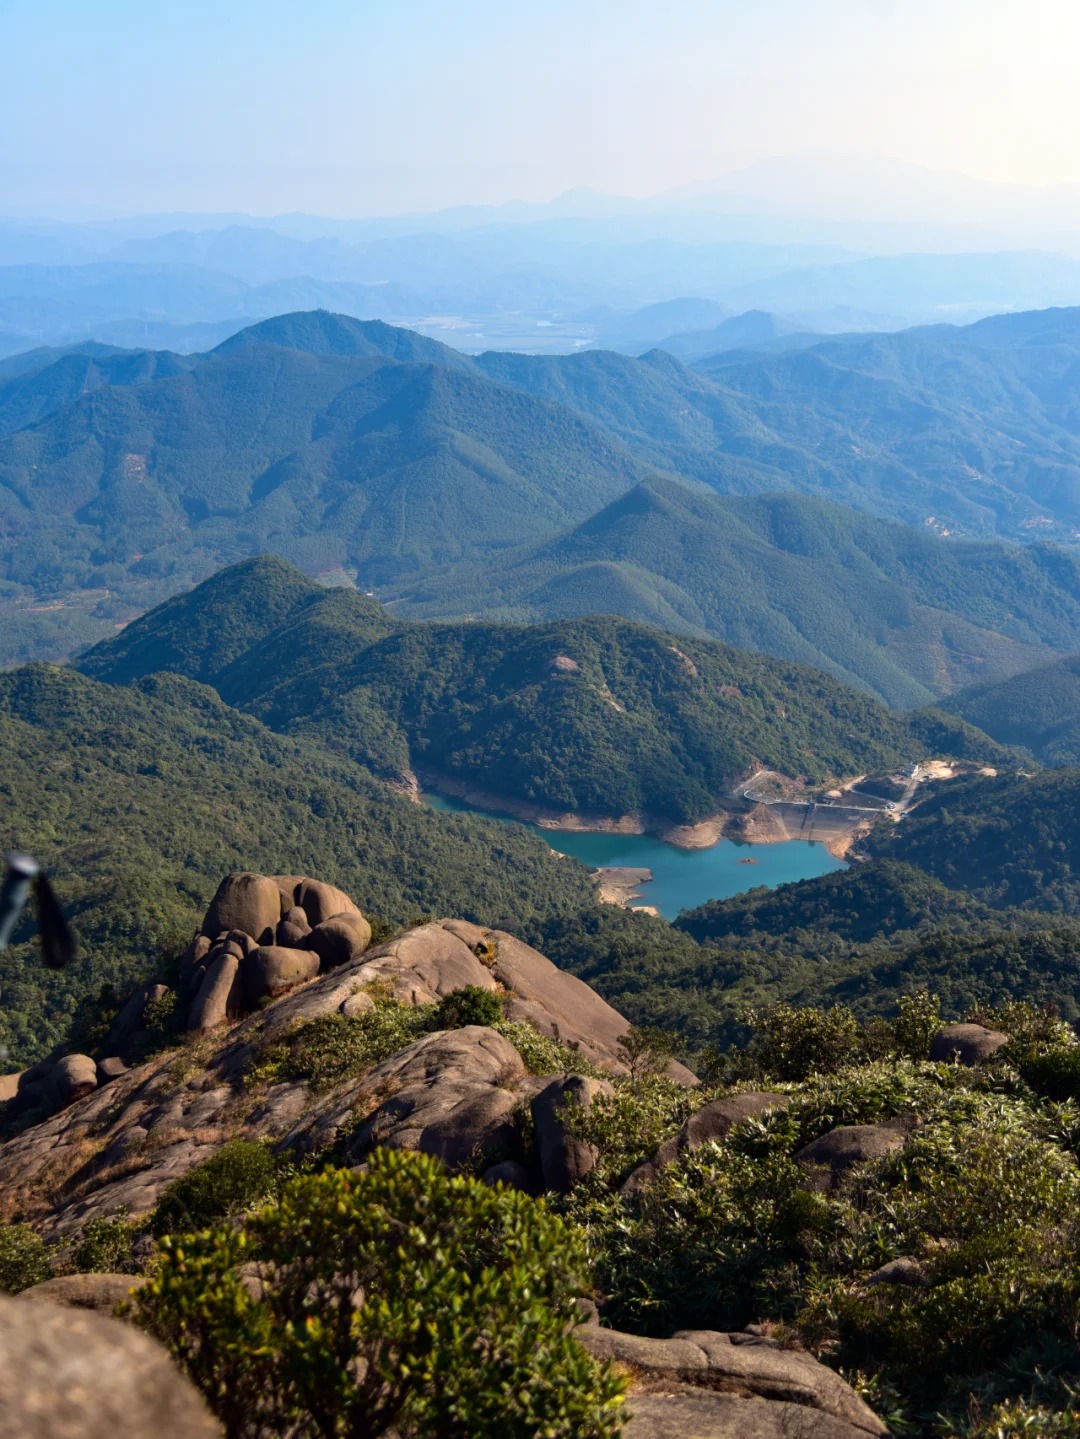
(74, 1077)
(906, 1270)
(826, 1159)
(321, 901)
(71, 1374)
(102, 1292)
(683, 1412)
(451, 1094)
(564, 1159)
(273, 969)
(340, 938)
(560, 1005)
(250, 903)
(741, 1364)
(220, 996)
(971, 1044)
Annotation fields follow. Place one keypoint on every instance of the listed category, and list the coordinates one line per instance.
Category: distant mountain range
(355, 446)
(550, 279)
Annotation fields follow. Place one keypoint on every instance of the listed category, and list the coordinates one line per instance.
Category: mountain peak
(321, 332)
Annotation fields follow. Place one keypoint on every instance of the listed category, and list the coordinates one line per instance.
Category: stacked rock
(263, 935)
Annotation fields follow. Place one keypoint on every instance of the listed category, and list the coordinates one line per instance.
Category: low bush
(464, 1329)
(240, 1174)
(539, 1053)
(470, 1005)
(24, 1258)
(105, 1246)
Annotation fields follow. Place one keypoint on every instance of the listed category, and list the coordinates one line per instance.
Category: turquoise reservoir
(682, 878)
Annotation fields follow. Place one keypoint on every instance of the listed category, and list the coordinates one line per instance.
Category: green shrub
(240, 1174)
(24, 1258)
(626, 1127)
(793, 1043)
(1055, 1074)
(464, 1329)
(646, 1050)
(334, 1047)
(918, 1020)
(105, 1246)
(539, 1054)
(714, 1242)
(470, 1005)
(1018, 1419)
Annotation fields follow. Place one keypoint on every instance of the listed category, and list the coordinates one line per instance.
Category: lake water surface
(682, 878)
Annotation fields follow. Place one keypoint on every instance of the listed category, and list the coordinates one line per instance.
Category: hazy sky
(355, 107)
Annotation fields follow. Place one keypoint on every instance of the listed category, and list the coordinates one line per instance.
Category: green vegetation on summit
(595, 715)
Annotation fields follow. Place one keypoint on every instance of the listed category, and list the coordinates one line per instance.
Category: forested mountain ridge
(895, 609)
(1038, 710)
(140, 488)
(351, 444)
(595, 715)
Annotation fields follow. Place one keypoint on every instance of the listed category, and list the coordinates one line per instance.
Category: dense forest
(890, 608)
(594, 714)
(1038, 710)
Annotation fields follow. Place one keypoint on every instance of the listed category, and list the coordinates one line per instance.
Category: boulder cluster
(262, 936)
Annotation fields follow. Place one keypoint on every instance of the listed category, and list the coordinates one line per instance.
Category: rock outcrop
(101, 1292)
(262, 936)
(564, 1159)
(71, 1374)
(767, 1391)
(828, 1158)
(451, 1094)
(970, 1044)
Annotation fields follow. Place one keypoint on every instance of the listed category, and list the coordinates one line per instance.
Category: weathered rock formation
(970, 1044)
(767, 1391)
(450, 1093)
(262, 936)
(71, 1374)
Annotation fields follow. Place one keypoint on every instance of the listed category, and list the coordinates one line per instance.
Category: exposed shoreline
(759, 824)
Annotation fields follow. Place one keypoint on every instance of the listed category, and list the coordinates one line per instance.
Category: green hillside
(138, 799)
(895, 609)
(1012, 840)
(1039, 710)
(973, 429)
(134, 490)
(346, 444)
(31, 395)
(594, 714)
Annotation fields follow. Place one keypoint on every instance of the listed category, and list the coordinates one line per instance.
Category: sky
(366, 107)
